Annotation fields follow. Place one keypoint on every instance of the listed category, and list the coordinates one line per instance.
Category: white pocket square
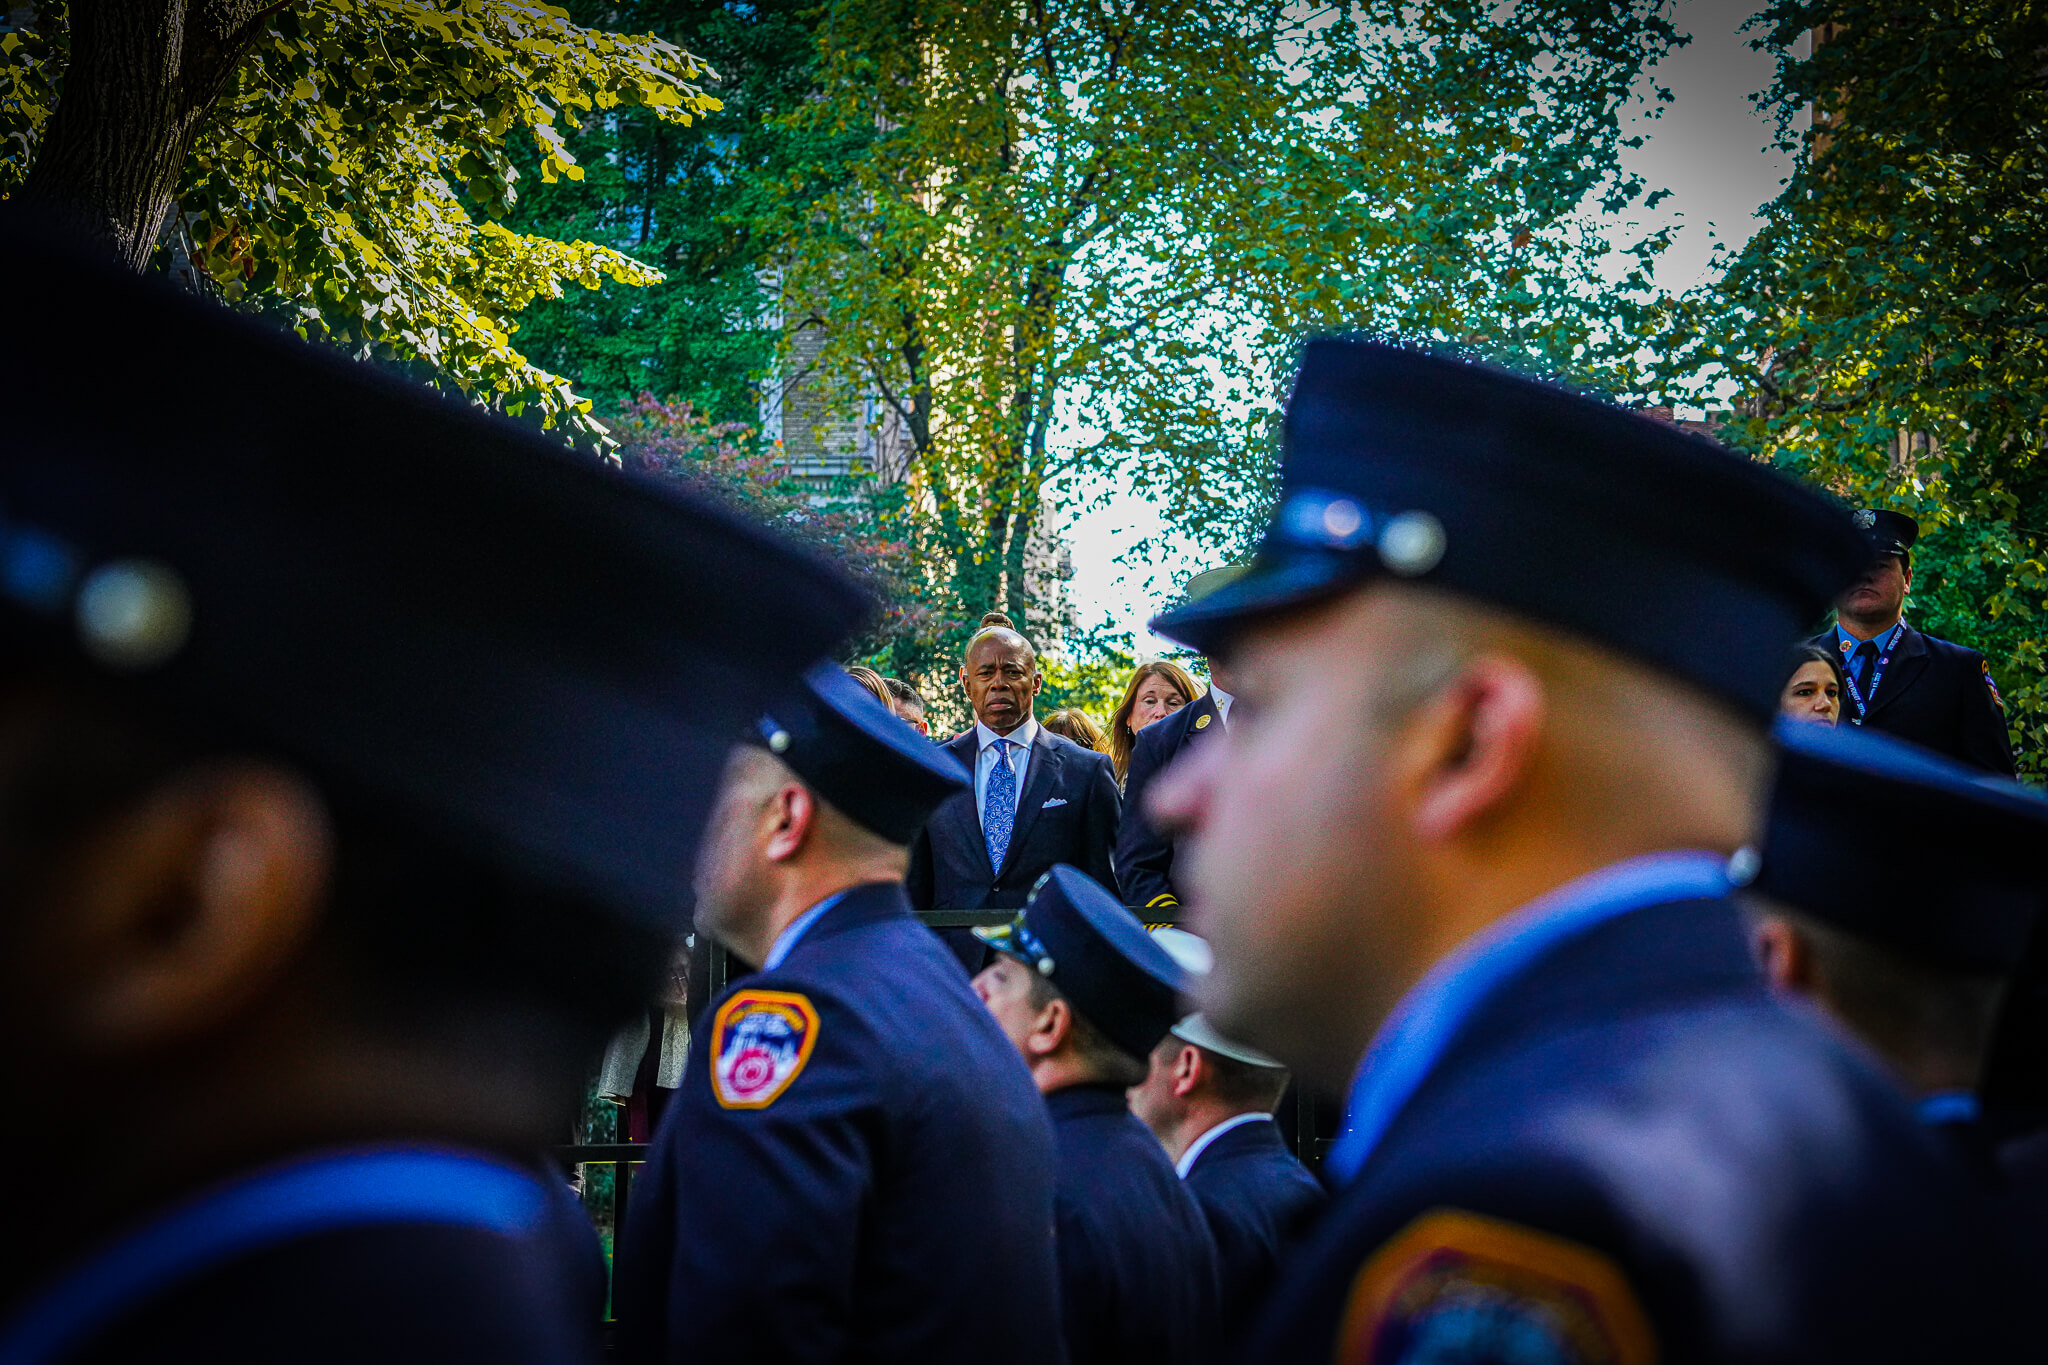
(1052, 801)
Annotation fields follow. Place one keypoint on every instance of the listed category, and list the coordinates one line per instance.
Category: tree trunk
(144, 75)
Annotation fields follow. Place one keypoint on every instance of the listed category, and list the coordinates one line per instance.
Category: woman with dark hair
(1156, 689)
(1813, 691)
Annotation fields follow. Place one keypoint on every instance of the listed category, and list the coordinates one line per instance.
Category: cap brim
(1197, 1030)
(1276, 583)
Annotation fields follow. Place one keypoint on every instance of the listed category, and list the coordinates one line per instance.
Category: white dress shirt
(1201, 1144)
(1021, 740)
(1222, 700)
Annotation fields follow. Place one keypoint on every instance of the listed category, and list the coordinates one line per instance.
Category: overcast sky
(1709, 148)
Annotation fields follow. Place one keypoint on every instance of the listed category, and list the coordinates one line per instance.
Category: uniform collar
(1201, 1144)
(1077, 1101)
(1948, 1106)
(322, 1193)
(1025, 734)
(1884, 639)
(786, 941)
(1221, 700)
(1429, 1018)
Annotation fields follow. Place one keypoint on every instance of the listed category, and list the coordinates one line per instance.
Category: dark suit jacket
(1937, 695)
(1258, 1200)
(1632, 1116)
(1144, 856)
(1068, 814)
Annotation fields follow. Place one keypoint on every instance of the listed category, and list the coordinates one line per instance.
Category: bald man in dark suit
(1037, 799)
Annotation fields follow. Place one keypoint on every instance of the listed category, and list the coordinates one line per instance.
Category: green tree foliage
(686, 199)
(1120, 220)
(1888, 326)
(347, 163)
(844, 520)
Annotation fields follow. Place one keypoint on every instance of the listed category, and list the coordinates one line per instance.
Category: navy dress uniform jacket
(388, 1285)
(1632, 1151)
(850, 1172)
(1144, 855)
(1138, 1273)
(1067, 813)
(1258, 1199)
(1937, 695)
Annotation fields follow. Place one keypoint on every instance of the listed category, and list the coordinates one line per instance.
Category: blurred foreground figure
(353, 750)
(1210, 1103)
(1899, 892)
(1464, 841)
(1084, 993)
(856, 1153)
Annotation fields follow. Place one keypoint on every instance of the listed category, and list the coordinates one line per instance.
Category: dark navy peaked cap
(1632, 533)
(533, 655)
(1111, 971)
(1902, 847)
(864, 759)
(1889, 533)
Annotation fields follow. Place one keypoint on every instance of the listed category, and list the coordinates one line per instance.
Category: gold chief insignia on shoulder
(1449, 1265)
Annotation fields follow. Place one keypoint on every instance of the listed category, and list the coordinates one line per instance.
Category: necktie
(999, 806)
(1860, 662)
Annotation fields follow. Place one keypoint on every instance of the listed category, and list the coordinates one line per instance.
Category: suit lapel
(1196, 727)
(967, 748)
(1045, 773)
(1908, 663)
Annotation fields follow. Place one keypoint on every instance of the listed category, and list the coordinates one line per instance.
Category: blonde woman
(1077, 725)
(1157, 689)
(873, 682)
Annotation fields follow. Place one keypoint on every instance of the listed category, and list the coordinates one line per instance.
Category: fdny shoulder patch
(760, 1041)
(1992, 688)
(1458, 1286)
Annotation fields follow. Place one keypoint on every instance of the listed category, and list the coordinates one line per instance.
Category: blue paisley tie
(999, 806)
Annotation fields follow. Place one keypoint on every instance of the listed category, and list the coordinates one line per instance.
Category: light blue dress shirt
(1022, 739)
(786, 941)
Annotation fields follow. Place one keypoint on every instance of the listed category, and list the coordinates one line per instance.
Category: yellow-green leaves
(350, 173)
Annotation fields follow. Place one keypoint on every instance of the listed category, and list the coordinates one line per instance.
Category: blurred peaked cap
(1888, 533)
(1549, 504)
(864, 759)
(1902, 847)
(531, 653)
(1212, 581)
(1191, 951)
(1076, 934)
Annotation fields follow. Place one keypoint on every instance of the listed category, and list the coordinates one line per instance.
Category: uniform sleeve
(1455, 1287)
(1098, 832)
(774, 1163)
(1144, 856)
(1984, 738)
